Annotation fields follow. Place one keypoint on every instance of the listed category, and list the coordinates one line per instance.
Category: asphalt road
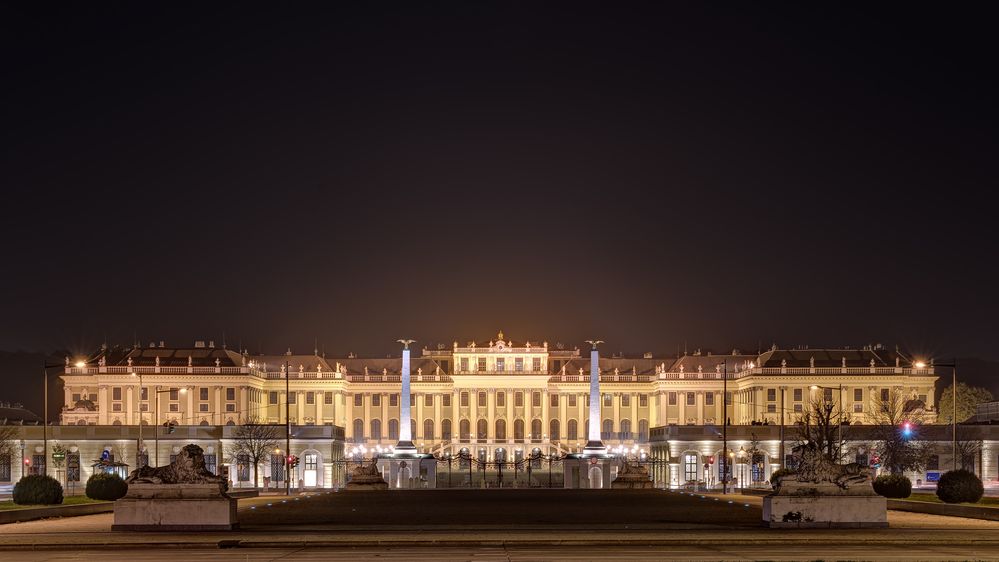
(488, 553)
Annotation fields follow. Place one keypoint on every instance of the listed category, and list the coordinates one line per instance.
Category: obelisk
(405, 445)
(594, 445)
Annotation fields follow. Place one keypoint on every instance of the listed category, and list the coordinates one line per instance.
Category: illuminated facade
(499, 399)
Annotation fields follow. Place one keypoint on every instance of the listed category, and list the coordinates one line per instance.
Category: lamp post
(953, 400)
(45, 409)
(839, 434)
(287, 426)
(727, 467)
(138, 406)
(156, 429)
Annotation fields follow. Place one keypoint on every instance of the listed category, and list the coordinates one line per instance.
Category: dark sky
(721, 174)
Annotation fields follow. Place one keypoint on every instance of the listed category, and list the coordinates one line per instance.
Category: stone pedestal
(808, 504)
(588, 471)
(175, 507)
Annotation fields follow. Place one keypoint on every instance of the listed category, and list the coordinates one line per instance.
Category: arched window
(358, 430)
(553, 430)
(116, 422)
(572, 430)
(482, 429)
(231, 422)
(376, 430)
(428, 429)
(625, 429)
(536, 429)
(446, 430)
(203, 422)
(464, 429)
(608, 429)
(690, 467)
(500, 430)
(643, 430)
(518, 430)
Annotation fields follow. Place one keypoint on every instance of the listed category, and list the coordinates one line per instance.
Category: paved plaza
(509, 525)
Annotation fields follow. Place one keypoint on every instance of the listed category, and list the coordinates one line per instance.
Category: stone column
(129, 405)
(419, 416)
(188, 415)
(405, 444)
(545, 428)
(348, 423)
(699, 399)
(438, 426)
(103, 404)
(616, 414)
(634, 415)
(508, 399)
(491, 414)
(594, 445)
(383, 400)
(681, 407)
(320, 400)
(563, 418)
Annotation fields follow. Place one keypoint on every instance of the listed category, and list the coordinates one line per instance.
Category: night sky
(725, 175)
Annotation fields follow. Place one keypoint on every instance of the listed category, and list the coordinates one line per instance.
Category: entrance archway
(312, 468)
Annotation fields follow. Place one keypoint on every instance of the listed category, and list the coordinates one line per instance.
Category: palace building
(501, 399)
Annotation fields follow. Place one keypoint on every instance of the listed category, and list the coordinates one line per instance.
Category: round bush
(104, 486)
(958, 486)
(37, 489)
(893, 486)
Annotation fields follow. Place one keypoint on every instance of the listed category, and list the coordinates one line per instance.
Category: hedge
(105, 486)
(37, 489)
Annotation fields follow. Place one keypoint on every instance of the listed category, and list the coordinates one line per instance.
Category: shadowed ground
(513, 508)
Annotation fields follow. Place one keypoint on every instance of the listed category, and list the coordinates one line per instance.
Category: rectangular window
(480, 400)
(310, 397)
(393, 400)
(625, 400)
(797, 395)
(500, 365)
(293, 398)
(500, 399)
(76, 398)
(672, 399)
(203, 393)
(174, 393)
(464, 399)
(557, 365)
(277, 468)
(143, 407)
(709, 398)
(444, 365)
(116, 393)
(328, 398)
(464, 364)
(771, 408)
(272, 397)
(536, 364)
(412, 400)
(690, 398)
(797, 408)
(228, 407)
(771, 395)
(858, 407)
(428, 400)
(176, 407)
(858, 395)
(202, 407)
(72, 467)
(728, 398)
(230, 393)
(518, 399)
(690, 467)
(376, 400)
(572, 400)
(536, 399)
(608, 400)
(358, 400)
(827, 395)
(447, 400)
(93, 397)
(242, 467)
(482, 363)
(885, 394)
(518, 364)
(553, 400)
(116, 407)
(211, 462)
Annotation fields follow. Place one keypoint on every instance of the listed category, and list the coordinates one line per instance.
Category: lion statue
(187, 468)
(816, 467)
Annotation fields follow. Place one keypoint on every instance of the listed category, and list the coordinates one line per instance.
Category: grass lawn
(986, 501)
(69, 500)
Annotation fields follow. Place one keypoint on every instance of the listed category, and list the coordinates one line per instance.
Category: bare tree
(896, 431)
(254, 442)
(820, 424)
(967, 451)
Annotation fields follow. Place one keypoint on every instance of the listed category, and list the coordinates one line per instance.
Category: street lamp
(156, 428)
(138, 406)
(839, 433)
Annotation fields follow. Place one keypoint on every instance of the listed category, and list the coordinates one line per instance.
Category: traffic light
(292, 461)
(27, 461)
(906, 429)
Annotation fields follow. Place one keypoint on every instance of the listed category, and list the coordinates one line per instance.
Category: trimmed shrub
(37, 489)
(104, 486)
(780, 473)
(893, 486)
(959, 486)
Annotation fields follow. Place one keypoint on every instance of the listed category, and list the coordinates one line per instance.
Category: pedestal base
(825, 511)
(408, 471)
(204, 514)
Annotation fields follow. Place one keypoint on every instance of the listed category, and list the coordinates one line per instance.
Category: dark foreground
(513, 508)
